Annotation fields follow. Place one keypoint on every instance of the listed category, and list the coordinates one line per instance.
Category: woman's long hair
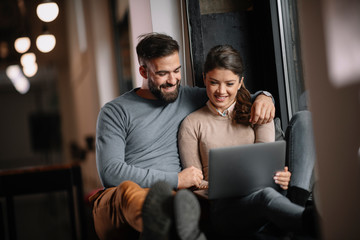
(226, 57)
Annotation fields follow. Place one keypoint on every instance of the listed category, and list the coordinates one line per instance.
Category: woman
(224, 122)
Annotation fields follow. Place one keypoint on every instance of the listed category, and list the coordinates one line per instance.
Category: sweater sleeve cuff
(253, 96)
(172, 179)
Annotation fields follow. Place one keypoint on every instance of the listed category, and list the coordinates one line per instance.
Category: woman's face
(221, 87)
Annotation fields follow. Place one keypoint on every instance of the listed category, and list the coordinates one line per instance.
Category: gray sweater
(136, 138)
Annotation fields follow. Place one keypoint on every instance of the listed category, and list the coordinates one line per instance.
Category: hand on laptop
(282, 178)
(204, 185)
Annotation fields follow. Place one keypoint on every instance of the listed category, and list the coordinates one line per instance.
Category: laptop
(240, 170)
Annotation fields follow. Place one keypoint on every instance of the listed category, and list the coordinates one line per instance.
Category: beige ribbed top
(203, 129)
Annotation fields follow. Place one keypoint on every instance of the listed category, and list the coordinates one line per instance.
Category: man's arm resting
(110, 157)
(113, 169)
(263, 108)
(117, 173)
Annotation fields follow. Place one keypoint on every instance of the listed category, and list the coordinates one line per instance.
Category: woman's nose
(221, 89)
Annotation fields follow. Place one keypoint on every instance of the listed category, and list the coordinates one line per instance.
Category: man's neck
(145, 93)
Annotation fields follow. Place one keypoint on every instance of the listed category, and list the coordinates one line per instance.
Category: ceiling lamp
(20, 82)
(30, 70)
(28, 59)
(45, 42)
(13, 71)
(22, 44)
(47, 11)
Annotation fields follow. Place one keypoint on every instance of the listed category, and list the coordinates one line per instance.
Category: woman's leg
(278, 209)
(300, 156)
(235, 217)
(285, 214)
(248, 214)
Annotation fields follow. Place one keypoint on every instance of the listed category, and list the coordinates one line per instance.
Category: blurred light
(22, 44)
(48, 11)
(22, 85)
(4, 49)
(30, 70)
(46, 42)
(27, 59)
(13, 71)
(20, 82)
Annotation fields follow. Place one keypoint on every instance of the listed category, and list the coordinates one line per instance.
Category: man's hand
(282, 178)
(262, 110)
(189, 177)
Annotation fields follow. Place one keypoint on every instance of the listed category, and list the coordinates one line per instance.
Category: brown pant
(117, 211)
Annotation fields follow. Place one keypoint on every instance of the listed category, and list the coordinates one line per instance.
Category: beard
(165, 97)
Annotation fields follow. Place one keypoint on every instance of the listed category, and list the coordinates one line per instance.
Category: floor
(44, 217)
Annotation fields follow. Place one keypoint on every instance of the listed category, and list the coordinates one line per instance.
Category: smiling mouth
(166, 87)
(169, 88)
(220, 98)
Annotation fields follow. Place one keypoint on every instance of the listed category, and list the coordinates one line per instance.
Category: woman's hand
(204, 185)
(283, 178)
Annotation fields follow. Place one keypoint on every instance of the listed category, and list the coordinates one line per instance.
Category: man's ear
(143, 72)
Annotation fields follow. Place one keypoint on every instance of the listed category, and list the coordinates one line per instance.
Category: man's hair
(155, 45)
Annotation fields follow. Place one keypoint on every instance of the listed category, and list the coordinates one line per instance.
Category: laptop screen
(240, 170)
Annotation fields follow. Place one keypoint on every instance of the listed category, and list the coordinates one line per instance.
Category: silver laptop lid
(240, 170)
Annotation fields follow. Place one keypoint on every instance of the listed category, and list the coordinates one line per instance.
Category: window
(296, 94)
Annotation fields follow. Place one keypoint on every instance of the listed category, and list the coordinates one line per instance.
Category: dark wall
(248, 30)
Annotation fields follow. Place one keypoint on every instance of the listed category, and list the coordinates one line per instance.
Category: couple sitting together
(138, 159)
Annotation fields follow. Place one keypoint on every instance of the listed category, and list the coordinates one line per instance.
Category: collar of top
(226, 113)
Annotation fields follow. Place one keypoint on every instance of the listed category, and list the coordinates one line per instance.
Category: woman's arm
(266, 133)
(189, 147)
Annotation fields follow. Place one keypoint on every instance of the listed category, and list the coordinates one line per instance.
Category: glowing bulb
(20, 82)
(46, 42)
(22, 85)
(30, 70)
(13, 71)
(47, 12)
(22, 44)
(27, 59)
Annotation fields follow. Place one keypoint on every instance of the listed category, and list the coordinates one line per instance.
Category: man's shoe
(187, 214)
(157, 212)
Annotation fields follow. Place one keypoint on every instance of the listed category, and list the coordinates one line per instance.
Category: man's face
(164, 75)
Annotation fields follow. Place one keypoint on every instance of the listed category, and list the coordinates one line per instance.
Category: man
(136, 143)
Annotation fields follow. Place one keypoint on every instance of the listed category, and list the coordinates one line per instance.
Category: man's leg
(157, 212)
(117, 211)
(187, 215)
(171, 215)
(300, 156)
